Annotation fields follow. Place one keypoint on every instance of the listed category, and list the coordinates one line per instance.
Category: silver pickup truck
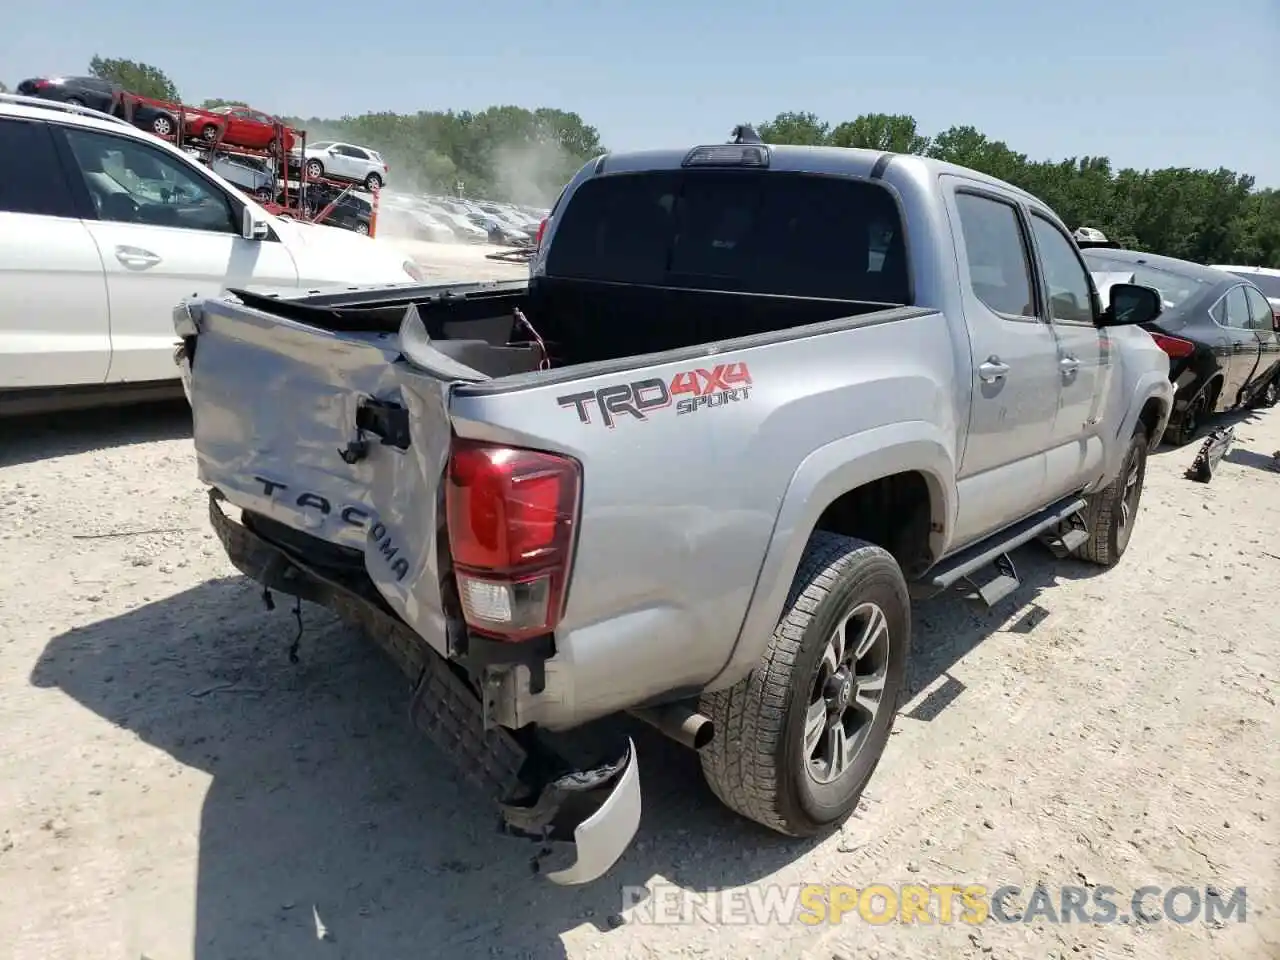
(751, 400)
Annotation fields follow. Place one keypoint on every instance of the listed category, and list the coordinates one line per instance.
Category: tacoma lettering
(348, 513)
(389, 550)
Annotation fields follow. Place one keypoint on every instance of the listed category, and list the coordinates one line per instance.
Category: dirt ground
(171, 786)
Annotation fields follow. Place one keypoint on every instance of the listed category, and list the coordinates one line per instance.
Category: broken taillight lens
(1174, 346)
(542, 228)
(511, 515)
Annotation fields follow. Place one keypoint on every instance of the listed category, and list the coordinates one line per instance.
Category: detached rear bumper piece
(586, 812)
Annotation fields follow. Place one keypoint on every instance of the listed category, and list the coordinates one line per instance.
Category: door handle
(136, 257)
(992, 370)
(1068, 364)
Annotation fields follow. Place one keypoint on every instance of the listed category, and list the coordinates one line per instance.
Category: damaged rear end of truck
(551, 502)
(453, 553)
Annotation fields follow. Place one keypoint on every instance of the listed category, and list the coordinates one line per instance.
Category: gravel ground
(172, 786)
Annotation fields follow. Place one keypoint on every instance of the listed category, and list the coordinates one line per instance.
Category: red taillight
(1174, 346)
(542, 228)
(41, 84)
(511, 515)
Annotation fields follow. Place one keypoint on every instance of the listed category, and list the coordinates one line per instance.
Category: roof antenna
(745, 133)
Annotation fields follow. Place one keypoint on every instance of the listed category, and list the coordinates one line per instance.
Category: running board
(985, 567)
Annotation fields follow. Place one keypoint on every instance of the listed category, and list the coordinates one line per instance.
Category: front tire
(315, 169)
(798, 739)
(1112, 511)
(209, 133)
(373, 183)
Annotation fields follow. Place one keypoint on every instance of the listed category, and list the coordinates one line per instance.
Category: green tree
(880, 131)
(136, 77)
(802, 129)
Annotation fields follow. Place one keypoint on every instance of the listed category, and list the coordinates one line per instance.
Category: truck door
(1014, 363)
(1085, 367)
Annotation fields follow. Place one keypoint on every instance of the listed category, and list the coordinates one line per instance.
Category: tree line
(512, 153)
(1207, 216)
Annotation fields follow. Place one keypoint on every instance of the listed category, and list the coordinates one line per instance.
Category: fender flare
(822, 477)
(1150, 385)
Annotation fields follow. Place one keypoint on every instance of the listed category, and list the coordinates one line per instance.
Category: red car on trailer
(246, 127)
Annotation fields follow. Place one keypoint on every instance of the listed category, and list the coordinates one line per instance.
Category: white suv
(104, 229)
(346, 161)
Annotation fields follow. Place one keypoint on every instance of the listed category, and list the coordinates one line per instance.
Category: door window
(1260, 314)
(354, 152)
(1070, 292)
(31, 179)
(131, 182)
(999, 267)
(1235, 313)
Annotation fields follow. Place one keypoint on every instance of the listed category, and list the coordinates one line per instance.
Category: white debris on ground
(172, 787)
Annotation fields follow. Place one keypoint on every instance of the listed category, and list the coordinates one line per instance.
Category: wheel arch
(895, 482)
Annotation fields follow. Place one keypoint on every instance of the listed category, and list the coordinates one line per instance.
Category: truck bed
(283, 387)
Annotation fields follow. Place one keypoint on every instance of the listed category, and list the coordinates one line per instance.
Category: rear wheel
(315, 169)
(373, 183)
(1111, 511)
(1188, 425)
(162, 126)
(362, 228)
(75, 101)
(209, 133)
(798, 739)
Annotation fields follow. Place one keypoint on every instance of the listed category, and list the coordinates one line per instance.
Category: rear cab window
(759, 232)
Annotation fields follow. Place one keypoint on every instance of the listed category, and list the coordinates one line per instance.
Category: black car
(352, 212)
(87, 91)
(1216, 328)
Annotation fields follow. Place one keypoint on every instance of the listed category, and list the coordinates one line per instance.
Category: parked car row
(455, 220)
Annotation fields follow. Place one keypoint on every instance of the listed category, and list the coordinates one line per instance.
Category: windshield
(321, 145)
(1269, 285)
(751, 231)
(1175, 288)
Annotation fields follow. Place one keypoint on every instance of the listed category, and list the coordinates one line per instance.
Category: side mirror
(252, 228)
(1131, 304)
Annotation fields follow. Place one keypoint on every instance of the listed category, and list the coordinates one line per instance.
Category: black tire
(315, 169)
(162, 125)
(1188, 425)
(373, 183)
(75, 101)
(362, 228)
(757, 764)
(209, 133)
(1267, 396)
(1113, 510)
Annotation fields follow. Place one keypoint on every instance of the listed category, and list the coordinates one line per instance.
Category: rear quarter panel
(679, 509)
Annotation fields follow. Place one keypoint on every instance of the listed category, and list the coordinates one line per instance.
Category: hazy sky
(1149, 83)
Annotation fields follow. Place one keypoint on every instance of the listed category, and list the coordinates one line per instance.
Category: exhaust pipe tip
(679, 722)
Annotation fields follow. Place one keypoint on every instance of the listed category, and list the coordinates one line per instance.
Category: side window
(1070, 293)
(131, 182)
(31, 178)
(1237, 309)
(999, 271)
(1259, 310)
(353, 152)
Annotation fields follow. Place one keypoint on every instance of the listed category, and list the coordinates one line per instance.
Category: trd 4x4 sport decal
(691, 390)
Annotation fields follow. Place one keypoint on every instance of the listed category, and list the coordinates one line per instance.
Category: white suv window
(131, 182)
(31, 180)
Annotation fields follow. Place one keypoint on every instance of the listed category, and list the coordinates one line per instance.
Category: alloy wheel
(847, 693)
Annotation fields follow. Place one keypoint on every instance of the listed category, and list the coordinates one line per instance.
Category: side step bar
(986, 568)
